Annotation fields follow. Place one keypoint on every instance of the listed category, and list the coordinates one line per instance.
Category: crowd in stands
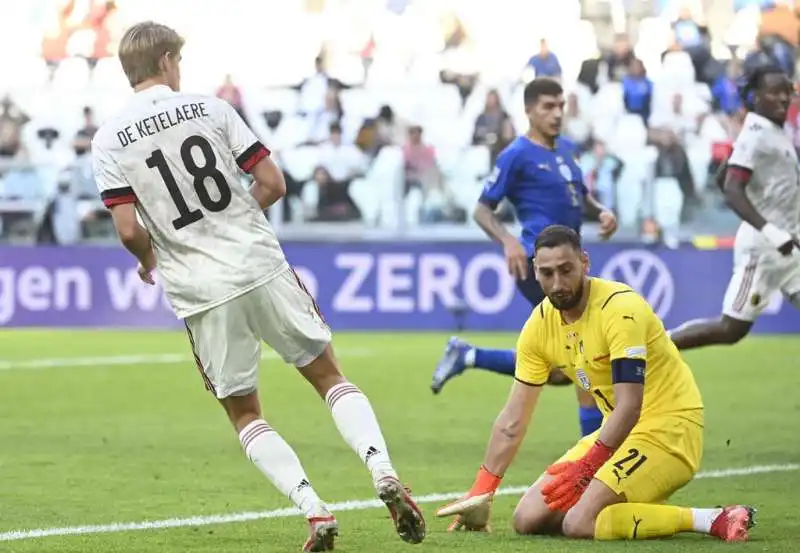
(385, 137)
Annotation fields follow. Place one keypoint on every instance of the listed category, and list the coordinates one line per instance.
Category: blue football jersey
(544, 185)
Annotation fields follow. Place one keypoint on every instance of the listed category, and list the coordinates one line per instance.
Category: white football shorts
(757, 275)
(226, 340)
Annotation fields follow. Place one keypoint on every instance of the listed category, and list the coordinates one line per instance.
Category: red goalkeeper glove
(472, 511)
(573, 477)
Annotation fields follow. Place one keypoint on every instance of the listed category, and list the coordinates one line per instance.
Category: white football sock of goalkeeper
(359, 427)
(279, 463)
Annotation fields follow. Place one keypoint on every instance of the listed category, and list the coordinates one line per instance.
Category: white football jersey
(177, 157)
(774, 188)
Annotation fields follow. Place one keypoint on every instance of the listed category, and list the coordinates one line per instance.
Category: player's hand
(474, 509)
(571, 478)
(517, 258)
(608, 224)
(146, 275)
(783, 241)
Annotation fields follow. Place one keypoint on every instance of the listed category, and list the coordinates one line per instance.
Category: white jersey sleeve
(114, 189)
(244, 144)
(746, 148)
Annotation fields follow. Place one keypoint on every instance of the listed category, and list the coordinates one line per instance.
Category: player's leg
(227, 355)
(623, 501)
(288, 320)
(532, 515)
(745, 299)
(460, 355)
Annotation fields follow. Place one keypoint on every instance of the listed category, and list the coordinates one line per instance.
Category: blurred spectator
(490, 122)
(577, 124)
(327, 200)
(368, 140)
(779, 33)
(506, 137)
(545, 63)
(343, 162)
(672, 162)
(600, 172)
(638, 91)
(83, 137)
(725, 93)
(392, 129)
(421, 168)
(321, 120)
(314, 90)
(676, 120)
(620, 58)
(12, 119)
(233, 95)
(459, 59)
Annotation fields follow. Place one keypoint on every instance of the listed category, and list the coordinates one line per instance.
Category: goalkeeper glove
(573, 477)
(472, 511)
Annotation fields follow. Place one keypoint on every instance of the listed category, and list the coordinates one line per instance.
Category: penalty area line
(354, 505)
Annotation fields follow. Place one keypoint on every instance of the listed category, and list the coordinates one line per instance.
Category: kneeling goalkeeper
(611, 484)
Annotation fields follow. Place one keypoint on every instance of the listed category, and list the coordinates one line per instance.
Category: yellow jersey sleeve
(532, 368)
(626, 318)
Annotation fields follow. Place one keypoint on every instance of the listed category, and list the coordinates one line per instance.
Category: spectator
(314, 90)
(321, 120)
(343, 162)
(421, 168)
(545, 63)
(620, 58)
(326, 200)
(601, 171)
(676, 120)
(506, 137)
(577, 125)
(83, 137)
(725, 93)
(490, 122)
(778, 35)
(12, 119)
(459, 59)
(392, 130)
(638, 91)
(233, 95)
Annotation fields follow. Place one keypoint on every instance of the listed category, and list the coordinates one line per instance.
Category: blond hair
(142, 47)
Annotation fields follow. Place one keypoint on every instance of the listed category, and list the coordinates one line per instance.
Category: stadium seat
(300, 162)
(630, 135)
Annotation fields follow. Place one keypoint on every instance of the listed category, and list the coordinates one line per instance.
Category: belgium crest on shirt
(583, 379)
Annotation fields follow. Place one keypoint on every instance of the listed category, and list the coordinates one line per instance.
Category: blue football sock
(500, 361)
(591, 418)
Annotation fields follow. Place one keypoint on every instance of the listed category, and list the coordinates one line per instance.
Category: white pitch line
(143, 359)
(354, 505)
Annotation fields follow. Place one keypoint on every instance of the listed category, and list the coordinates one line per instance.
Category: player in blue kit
(538, 174)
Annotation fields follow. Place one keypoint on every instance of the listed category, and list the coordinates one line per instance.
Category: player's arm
(120, 199)
(738, 172)
(507, 434)
(497, 186)
(625, 328)
(253, 157)
(596, 210)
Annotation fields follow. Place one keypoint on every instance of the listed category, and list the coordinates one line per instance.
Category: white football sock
(357, 424)
(278, 461)
(469, 357)
(702, 519)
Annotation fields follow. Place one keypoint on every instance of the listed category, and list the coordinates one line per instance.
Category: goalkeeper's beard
(566, 303)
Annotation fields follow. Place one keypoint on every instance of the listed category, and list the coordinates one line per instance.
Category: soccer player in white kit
(762, 185)
(174, 159)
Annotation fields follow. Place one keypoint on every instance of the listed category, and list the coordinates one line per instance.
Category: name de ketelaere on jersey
(177, 157)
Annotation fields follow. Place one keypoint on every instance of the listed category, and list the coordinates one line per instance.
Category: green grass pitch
(99, 428)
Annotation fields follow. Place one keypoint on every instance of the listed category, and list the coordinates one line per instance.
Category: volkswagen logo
(646, 273)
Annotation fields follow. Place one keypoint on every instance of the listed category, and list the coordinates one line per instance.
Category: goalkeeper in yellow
(611, 484)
